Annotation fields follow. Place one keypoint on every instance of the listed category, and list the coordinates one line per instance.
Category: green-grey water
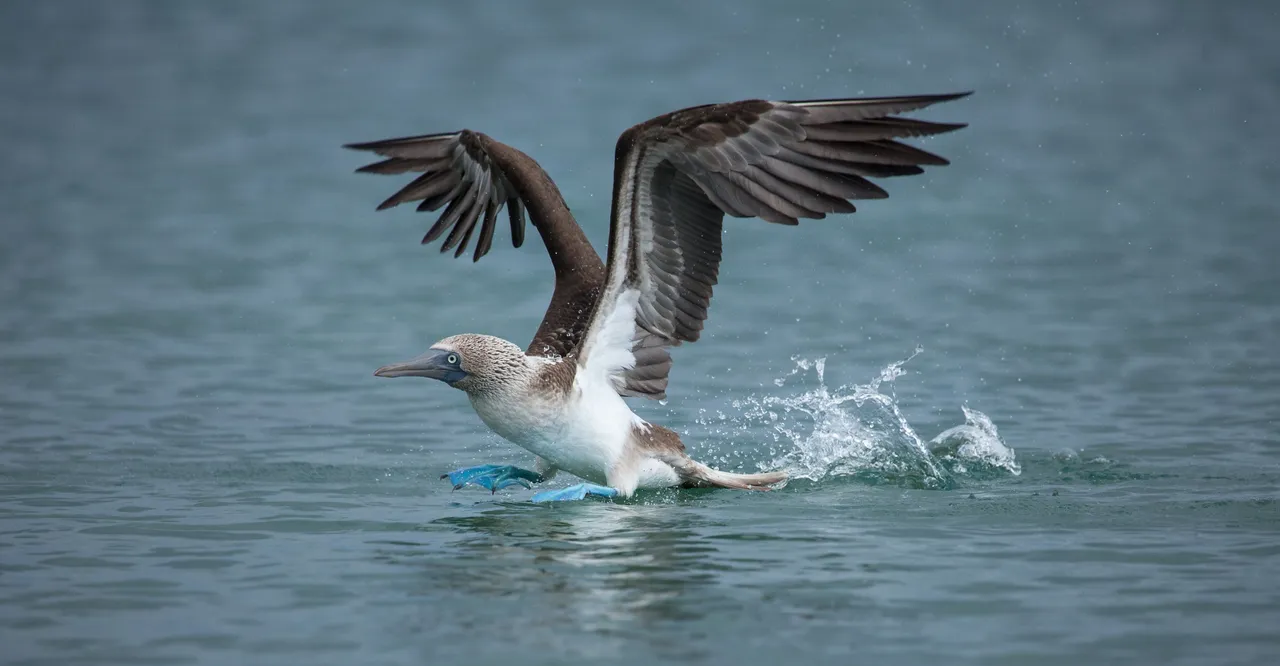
(197, 466)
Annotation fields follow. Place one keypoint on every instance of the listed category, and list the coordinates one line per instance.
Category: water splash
(857, 431)
(975, 448)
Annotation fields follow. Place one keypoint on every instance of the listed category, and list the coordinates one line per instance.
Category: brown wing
(677, 175)
(456, 173)
(473, 177)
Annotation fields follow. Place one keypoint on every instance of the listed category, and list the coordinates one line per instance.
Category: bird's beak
(430, 364)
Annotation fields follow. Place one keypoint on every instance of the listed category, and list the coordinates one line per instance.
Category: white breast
(583, 433)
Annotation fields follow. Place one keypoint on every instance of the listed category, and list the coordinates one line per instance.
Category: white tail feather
(697, 475)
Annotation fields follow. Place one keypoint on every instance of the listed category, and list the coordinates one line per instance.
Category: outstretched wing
(473, 176)
(456, 173)
(677, 175)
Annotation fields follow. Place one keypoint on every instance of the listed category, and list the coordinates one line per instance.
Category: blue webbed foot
(492, 477)
(574, 492)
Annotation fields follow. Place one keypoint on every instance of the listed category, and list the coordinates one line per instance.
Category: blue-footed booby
(607, 331)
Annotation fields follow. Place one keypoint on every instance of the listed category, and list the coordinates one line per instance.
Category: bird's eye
(452, 359)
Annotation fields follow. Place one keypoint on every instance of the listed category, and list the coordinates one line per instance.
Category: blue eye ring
(452, 359)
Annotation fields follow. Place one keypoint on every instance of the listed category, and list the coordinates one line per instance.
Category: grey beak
(432, 364)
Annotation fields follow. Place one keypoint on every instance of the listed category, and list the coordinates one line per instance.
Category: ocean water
(1031, 401)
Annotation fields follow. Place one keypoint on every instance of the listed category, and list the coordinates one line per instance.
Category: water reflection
(610, 570)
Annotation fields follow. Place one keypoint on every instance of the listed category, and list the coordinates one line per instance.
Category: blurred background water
(197, 467)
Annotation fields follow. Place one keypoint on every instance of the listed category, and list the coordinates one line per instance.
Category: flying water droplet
(858, 431)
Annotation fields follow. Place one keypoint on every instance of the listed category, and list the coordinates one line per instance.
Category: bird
(610, 326)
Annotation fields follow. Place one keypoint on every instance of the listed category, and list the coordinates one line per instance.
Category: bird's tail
(697, 475)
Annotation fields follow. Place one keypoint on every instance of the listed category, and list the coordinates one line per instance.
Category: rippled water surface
(1080, 465)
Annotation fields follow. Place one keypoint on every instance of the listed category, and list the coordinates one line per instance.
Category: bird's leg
(493, 477)
(545, 468)
(575, 492)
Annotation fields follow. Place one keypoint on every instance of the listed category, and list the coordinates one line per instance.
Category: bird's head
(468, 362)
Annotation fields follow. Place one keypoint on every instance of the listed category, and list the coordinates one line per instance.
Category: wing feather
(457, 173)
(487, 228)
